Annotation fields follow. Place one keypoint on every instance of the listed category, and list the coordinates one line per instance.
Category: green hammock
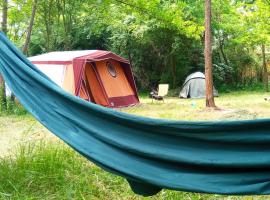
(211, 157)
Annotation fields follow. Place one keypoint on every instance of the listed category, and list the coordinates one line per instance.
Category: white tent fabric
(61, 55)
(8, 91)
(55, 72)
(194, 86)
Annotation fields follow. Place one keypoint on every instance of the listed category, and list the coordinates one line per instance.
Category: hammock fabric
(231, 157)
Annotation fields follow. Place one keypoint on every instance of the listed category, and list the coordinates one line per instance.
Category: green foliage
(222, 74)
(48, 170)
(13, 108)
(2, 100)
(53, 171)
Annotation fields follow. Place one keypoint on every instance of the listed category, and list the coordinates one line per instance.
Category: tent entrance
(93, 85)
(114, 81)
(107, 84)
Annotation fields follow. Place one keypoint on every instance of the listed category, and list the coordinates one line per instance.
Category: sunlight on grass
(234, 106)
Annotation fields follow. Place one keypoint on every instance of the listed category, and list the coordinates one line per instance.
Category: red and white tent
(98, 76)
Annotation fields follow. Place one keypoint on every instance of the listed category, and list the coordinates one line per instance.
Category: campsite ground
(34, 164)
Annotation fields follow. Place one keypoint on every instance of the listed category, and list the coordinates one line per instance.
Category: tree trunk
(208, 57)
(30, 28)
(3, 98)
(28, 36)
(46, 10)
(221, 44)
(174, 77)
(4, 15)
(265, 72)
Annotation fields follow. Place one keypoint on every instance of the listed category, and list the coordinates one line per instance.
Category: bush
(13, 108)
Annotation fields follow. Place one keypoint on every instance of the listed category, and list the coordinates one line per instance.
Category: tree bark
(208, 57)
(28, 36)
(221, 44)
(4, 16)
(46, 10)
(3, 97)
(173, 72)
(30, 28)
(265, 71)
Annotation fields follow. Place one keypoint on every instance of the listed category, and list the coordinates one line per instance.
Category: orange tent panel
(83, 93)
(94, 85)
(89, 75)
(117, 86)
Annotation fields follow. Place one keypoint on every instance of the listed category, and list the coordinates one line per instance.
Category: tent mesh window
(111, 69)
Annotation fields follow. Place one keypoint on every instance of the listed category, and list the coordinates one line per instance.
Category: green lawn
(235, 105)
(34, 164)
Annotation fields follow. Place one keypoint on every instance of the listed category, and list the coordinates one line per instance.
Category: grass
(34, 164)
(235, 106)
(12, 107)
(54, 171)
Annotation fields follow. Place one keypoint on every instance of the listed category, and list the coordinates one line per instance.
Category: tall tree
(30, 28)
(20, 23)
(265, 71)
(3, 97)
(208, 57)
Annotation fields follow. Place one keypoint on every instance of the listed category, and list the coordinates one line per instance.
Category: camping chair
(162, 92)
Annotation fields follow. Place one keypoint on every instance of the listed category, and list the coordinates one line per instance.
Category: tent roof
(67, 57)
(61, 55)
(195, 75)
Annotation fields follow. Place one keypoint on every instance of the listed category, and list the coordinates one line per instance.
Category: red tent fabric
(80, 60)
(79, 64)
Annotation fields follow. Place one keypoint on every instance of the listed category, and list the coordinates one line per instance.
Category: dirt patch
(240, 114)
(16, 131)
